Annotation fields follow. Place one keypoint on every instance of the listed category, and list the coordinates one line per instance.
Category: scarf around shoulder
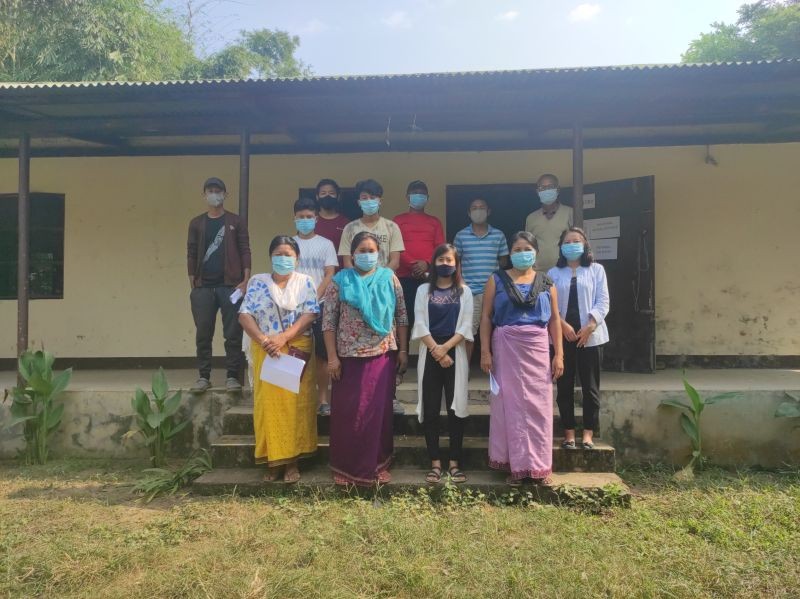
(541, 282)
(373, 296)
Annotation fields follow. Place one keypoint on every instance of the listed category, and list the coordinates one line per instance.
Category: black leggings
(434, 380)
(586, 360)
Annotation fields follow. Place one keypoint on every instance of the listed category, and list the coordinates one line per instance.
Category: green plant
(156, 418)
(34, 403)
(163, 481)
(789, 409)
(690, 419)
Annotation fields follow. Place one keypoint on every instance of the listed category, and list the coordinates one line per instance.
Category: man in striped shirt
(482, 249)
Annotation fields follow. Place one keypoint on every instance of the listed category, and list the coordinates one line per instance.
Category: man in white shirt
(548, 222)
(318, 260)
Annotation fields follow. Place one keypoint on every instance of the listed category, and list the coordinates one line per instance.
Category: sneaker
(201, 385)
(324, 409)
(232, 384)
(397, 407)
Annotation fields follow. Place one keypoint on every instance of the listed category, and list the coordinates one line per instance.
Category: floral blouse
(259, 304)
(354, 339)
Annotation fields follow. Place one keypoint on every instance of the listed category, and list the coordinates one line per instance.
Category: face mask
(214, 199)
(283, 265)
(329, 202)
(523, 260)
(369, 207)
(418, 200)
(478, 216)
(548, 196)
(572, 251)
(305, 225)
(445, 270)
(366, 262)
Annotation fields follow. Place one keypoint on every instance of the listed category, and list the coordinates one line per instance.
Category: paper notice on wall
(604, 249)
(588, 201)
(284, 371)
(601, 228)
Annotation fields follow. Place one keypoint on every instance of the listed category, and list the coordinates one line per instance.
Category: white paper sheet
(236, 295)
(494, 386)
(589, 201)
(604, 249)
(283, 371)
(601, 228)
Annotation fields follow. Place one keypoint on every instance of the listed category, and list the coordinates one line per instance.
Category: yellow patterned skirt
(285, 423)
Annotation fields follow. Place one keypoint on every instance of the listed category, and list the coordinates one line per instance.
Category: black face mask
(329, 202)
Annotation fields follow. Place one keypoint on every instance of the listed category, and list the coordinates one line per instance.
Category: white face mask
(478, 216)
(214, 199)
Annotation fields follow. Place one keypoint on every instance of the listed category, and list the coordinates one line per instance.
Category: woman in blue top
(583, 306)
(516, 355)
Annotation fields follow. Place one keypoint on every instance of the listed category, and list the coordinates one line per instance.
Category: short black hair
(414, 185)
(330, 182)
(359, 237)
(305, 203)
(484, 200)
(586, 258)
(525, 235)
(284, 240)
(549, 176)
(370, 186)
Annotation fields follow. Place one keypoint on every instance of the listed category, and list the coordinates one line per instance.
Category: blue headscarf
(373, 296)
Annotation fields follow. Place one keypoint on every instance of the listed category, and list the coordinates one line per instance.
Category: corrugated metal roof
(713, 66)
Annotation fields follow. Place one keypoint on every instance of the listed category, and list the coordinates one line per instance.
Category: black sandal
(434, 476)
(456, 475)
(588, 445)
(568, 444)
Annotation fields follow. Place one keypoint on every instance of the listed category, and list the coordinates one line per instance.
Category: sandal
(291, 477)
(271, 475)
(384, 477)
(456, 475)
(568, 444)
(434, 476)
(588, 445)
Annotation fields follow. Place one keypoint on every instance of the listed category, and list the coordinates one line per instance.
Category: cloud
(314, 26)
(511, 15)
(397, 20)
(584, 12)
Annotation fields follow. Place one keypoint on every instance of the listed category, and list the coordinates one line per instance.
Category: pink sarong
(521, 415)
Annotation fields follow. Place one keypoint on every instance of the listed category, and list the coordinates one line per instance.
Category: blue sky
(409, 36)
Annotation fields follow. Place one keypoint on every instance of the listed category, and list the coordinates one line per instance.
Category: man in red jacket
(218, 257)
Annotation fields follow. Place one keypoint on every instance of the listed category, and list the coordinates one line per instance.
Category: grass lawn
(73, 529)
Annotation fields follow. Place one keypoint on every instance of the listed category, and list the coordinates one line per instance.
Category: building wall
(726, 281)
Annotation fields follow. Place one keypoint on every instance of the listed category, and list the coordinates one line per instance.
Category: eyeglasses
(546, 187)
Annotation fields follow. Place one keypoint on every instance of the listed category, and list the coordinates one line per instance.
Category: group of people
(347, 297)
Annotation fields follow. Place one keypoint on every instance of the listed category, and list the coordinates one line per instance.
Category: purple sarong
(361, 418)
(521, 416)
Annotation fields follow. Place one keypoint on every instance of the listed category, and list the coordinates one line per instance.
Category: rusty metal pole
(244, 175)
(23, 244)
(577, 175)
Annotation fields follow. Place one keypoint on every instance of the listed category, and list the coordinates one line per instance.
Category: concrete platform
(250, 481)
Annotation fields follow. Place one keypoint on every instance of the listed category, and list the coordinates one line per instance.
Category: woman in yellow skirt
(276, 314)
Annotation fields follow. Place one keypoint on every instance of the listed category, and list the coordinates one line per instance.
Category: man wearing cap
(422, 233)
(218, 256)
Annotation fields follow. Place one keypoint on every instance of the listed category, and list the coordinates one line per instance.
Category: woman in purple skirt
(365, 327)
(517, 304)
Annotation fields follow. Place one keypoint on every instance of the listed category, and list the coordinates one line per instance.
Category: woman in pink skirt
(517, 304)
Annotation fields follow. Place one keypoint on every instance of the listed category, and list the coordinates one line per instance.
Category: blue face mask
(305, 225)
(572, 251)
(283, 265)
(418, 200)
(523, 260)
(369, 207)
(548, 196)
(366, 262)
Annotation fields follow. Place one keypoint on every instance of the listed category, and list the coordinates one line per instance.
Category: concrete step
(238, 420)
(250, 481)
(230, 451)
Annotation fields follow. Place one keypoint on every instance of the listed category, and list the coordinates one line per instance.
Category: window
(46, 246)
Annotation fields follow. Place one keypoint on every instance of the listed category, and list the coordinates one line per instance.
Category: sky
(345, 37)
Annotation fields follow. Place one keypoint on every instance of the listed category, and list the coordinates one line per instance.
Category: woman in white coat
(443, 323)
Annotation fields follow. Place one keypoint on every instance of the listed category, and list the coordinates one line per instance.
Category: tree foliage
(765, 30)
(128, 40)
